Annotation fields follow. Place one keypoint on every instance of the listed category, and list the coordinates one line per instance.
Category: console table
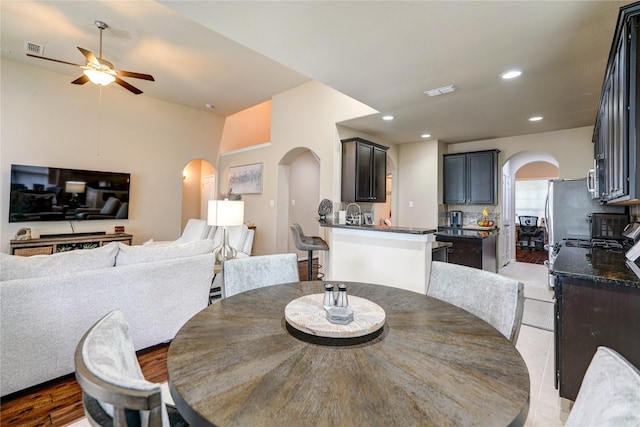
(51, 245)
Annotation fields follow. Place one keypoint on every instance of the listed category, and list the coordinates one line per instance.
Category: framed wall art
(246, 179)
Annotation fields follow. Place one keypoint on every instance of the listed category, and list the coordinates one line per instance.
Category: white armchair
(195, 229)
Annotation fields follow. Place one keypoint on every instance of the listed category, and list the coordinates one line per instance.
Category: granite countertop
(601, 265)
(465, 233)
(437, 245)
(385, 228)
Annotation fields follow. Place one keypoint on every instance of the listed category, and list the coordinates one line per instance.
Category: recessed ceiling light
(208, 106)
(426, 135)
(535, 119)
(511, 74)
(387, 117)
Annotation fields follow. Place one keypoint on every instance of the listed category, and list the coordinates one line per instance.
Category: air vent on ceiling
(33, 48)
(440, 90)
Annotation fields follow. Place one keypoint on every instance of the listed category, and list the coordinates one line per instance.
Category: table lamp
(225, 213)
(74, 187)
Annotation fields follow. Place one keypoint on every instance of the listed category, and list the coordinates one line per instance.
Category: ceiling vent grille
(440, 90)
(33, 48)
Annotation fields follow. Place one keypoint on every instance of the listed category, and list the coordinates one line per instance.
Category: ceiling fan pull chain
(99, 118)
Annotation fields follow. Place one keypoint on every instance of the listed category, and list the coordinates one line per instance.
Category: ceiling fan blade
(54, 60)
(81, 80)
(135, 75)
(128, 86)
(89, 55)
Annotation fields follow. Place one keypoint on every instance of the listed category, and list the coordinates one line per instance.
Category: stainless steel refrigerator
(567, 214)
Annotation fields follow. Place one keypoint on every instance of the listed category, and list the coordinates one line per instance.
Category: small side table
(215, 292)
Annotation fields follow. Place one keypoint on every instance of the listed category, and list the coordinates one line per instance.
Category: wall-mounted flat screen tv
(55, 194)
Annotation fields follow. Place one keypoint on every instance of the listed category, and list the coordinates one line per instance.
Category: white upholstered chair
(496, 299)
(114, 390)
(609, 395)
(244, 274)
(195, 229)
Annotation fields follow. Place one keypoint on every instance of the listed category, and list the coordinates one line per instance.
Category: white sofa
(43, 317)
(240, 236)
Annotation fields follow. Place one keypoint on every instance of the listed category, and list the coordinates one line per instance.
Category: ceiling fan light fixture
(99, 77)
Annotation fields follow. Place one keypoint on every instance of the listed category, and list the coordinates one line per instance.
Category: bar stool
(309, 244)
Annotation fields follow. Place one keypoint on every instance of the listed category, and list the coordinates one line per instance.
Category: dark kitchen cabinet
(471, 178)
(591, 313)
(474, 252)
(364, 171)
(615, 143)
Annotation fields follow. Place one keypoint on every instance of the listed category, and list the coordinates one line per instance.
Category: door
(207, 193)
(454, 171)
(364, 160)
(481, 177)
(507, 231)
(379, 176)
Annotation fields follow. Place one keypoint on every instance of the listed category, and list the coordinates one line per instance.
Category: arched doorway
(198, 186)
(509, 171)
(298, 196)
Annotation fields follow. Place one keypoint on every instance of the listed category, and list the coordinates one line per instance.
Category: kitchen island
(597, 303)
(472, 247)
(380, 254)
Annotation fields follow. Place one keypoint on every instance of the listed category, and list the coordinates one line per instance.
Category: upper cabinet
(471, 178)
(615, 144)
(364, 171)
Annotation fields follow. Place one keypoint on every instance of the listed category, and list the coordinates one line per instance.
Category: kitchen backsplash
(470, 214)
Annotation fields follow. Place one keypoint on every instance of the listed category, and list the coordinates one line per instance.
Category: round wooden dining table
(238, 363)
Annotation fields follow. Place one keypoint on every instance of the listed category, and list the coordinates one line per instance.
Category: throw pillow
(18, 267)
(141, 253)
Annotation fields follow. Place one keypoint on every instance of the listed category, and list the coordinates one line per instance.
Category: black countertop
(465, 233)
(437, 245)
(601, 265)
(385, 228)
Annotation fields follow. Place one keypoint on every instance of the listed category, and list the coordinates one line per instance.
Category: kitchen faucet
(353, 219)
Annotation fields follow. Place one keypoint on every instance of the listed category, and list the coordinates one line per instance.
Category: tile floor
(546, 409)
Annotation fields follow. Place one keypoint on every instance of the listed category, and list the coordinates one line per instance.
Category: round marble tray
(307, 314)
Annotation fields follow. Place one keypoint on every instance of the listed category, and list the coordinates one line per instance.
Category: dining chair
(609, 394)
(244, 274)
(114, 390)
(496, 299)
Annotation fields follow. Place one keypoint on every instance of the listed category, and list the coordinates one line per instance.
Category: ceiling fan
(101, 71)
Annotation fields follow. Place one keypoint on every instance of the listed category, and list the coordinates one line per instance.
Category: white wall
(301, 118)
(572, 148)
(46, 121)
(418, 178)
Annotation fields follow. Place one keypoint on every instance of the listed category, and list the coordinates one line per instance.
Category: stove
(592, 243)
(579, 242)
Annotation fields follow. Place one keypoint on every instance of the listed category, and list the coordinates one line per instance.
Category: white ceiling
(236, 54)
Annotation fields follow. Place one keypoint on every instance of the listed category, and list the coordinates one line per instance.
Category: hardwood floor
(59, 402)
(531, 257)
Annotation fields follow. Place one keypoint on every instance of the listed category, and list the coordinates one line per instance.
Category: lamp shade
(225, 212)
(74, 186)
